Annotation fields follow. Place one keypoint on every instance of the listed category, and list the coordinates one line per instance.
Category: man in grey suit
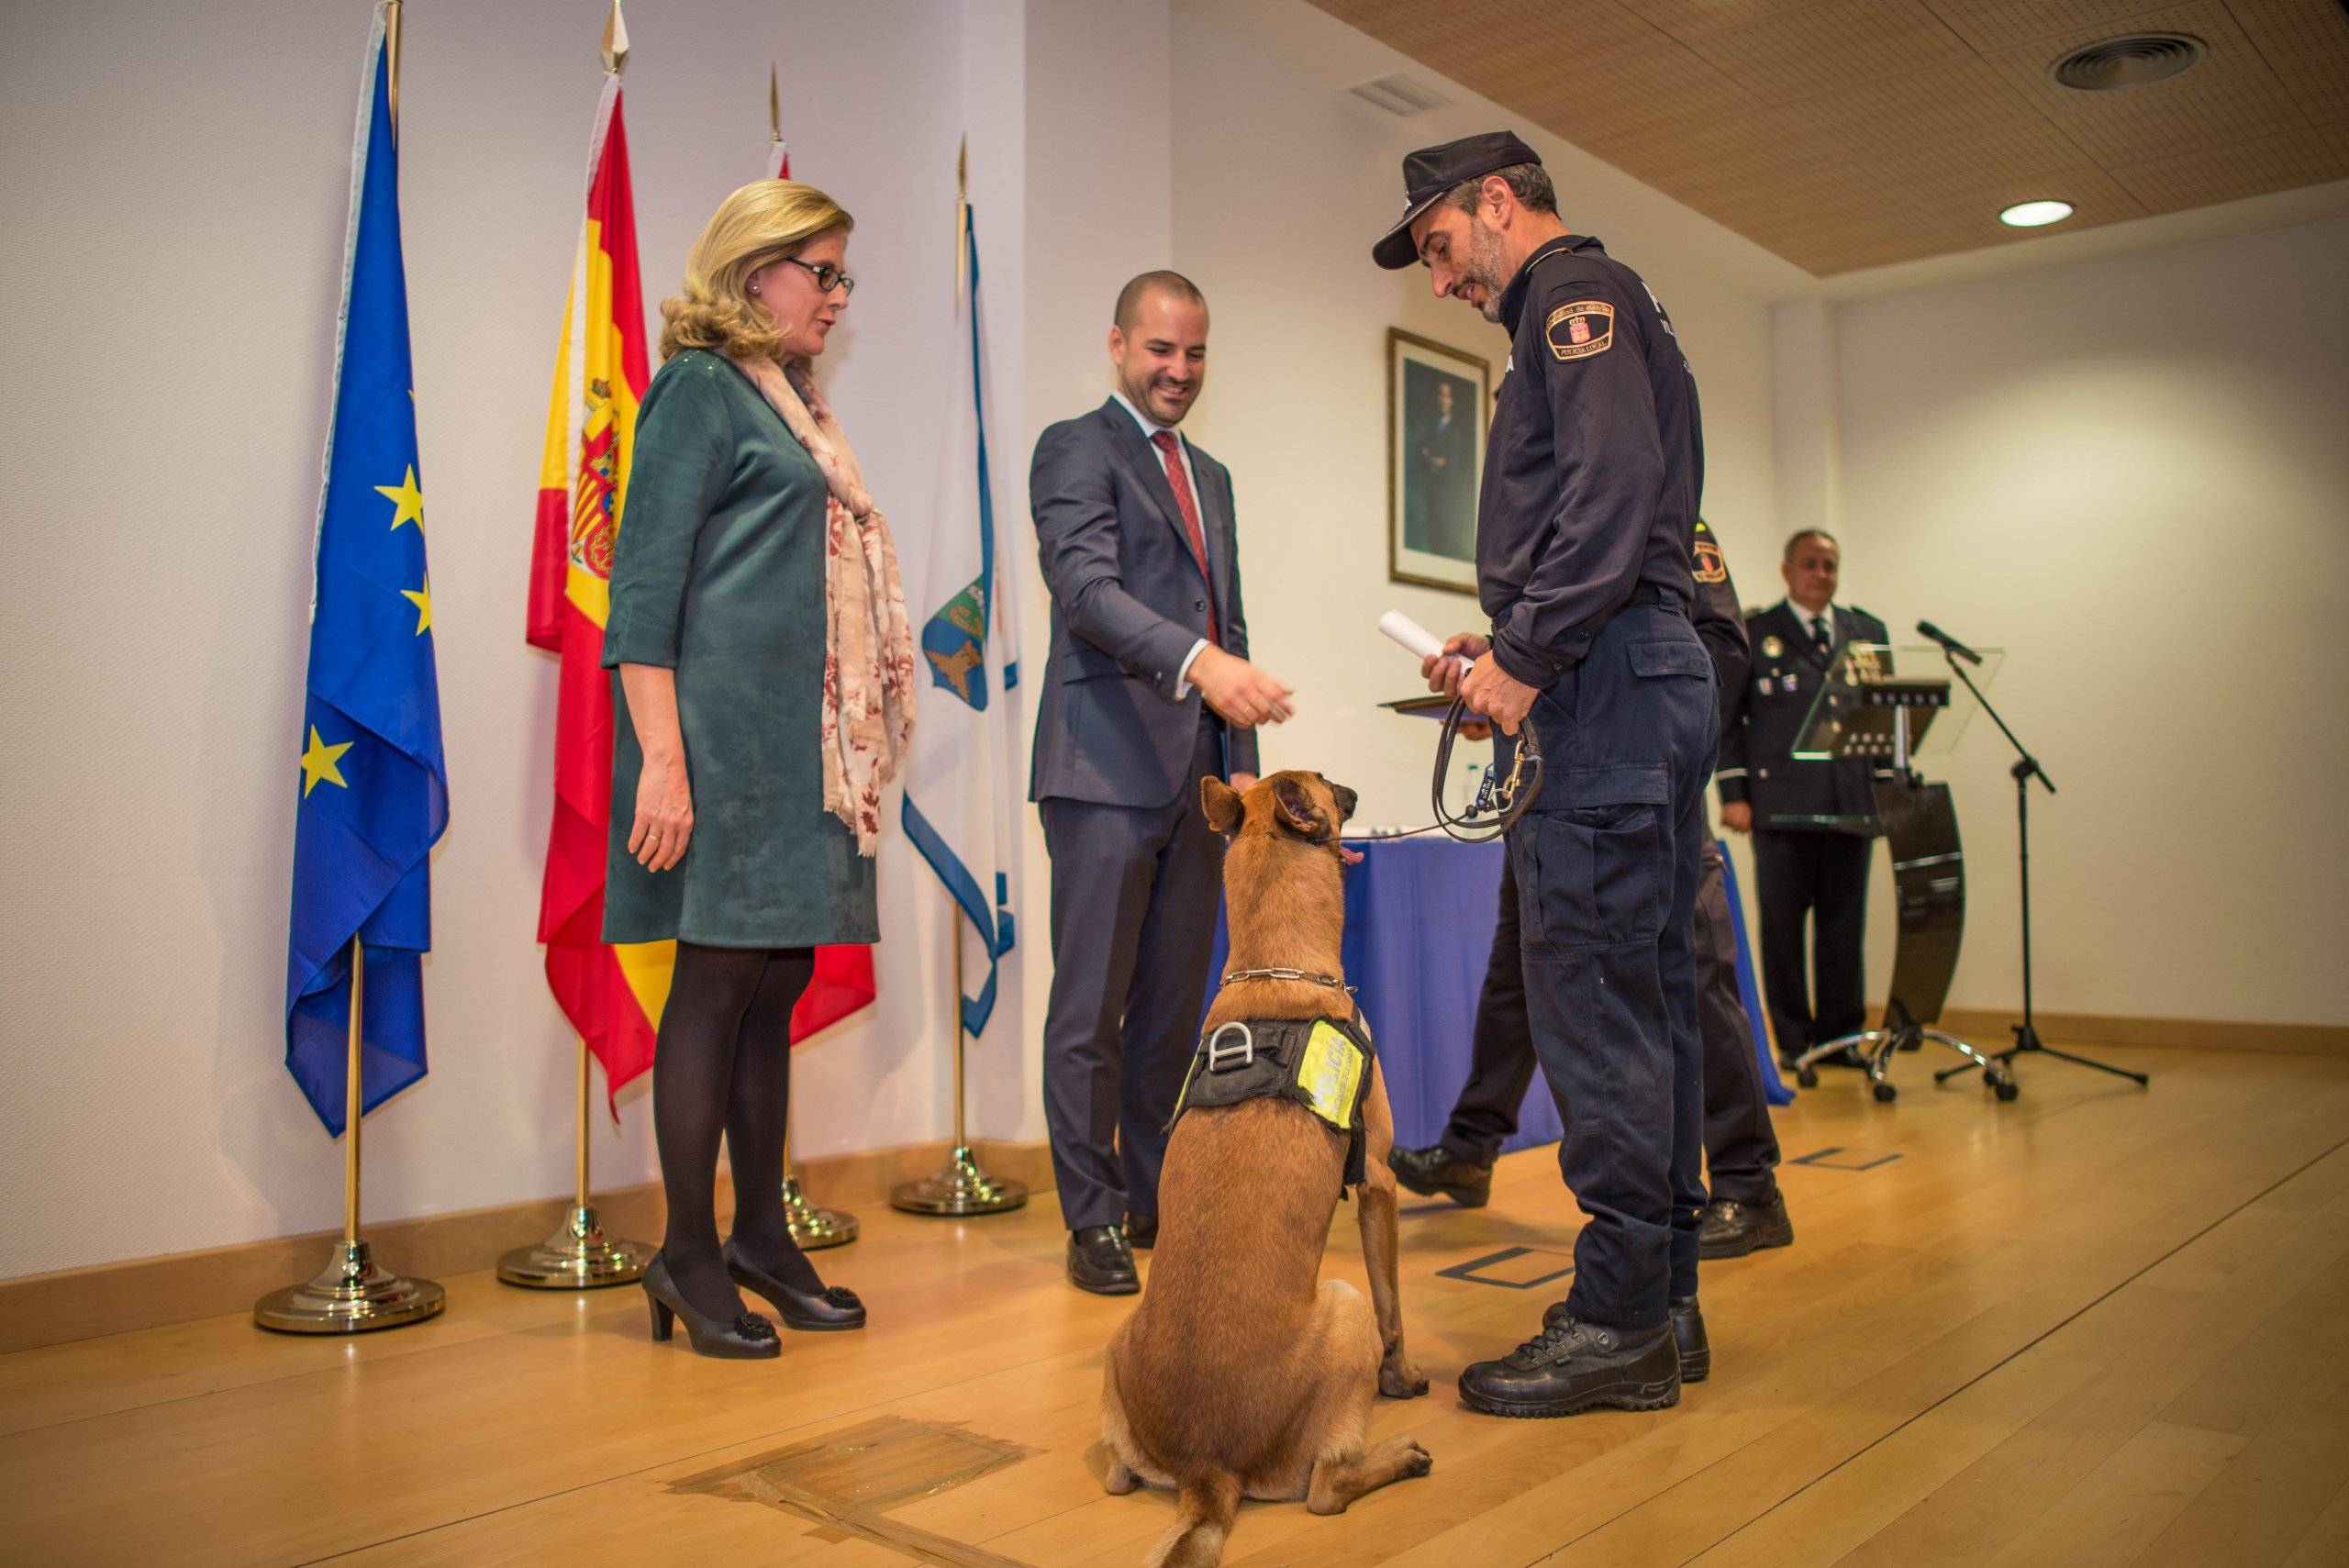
(1149, 687)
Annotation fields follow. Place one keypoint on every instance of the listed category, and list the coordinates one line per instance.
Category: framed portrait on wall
(1438, 405)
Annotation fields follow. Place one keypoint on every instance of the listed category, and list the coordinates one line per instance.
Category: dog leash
(1498, 804)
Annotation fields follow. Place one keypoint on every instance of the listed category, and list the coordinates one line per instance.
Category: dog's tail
(1204, 1507)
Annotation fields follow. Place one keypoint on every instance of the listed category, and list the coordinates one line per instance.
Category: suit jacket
(1128, 602)
(1757, 748)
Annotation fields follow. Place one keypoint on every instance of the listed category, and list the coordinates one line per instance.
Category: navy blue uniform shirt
(1595, 463)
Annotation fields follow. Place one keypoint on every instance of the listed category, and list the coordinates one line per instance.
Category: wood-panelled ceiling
(1843, 134)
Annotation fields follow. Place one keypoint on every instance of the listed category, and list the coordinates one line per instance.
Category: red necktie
(1165, 441)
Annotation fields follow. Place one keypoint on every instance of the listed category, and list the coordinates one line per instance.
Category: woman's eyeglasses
(828, 277)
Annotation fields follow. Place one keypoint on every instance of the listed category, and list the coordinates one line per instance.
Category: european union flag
(375, 790)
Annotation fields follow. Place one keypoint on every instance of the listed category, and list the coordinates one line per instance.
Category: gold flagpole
(812, 1225)
(578, 1255)
(351, 1295)
(959, 1187)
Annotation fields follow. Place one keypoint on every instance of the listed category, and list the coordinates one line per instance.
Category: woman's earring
(754, 291)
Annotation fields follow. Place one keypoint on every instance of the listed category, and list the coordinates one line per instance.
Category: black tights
(723, 1064)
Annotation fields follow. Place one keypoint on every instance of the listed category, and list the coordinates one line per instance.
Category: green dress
(719, 572)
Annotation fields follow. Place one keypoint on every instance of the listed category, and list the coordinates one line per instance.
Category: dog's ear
(1293, 809)
(1345, 797)
(1220, 805)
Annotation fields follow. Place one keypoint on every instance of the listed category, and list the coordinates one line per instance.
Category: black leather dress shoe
(812, 1311)
(1572, 1366)
(1100, 1261)
(1687, 1333)
(1141, 1231)
(1436, 1172)
(1731, 1229)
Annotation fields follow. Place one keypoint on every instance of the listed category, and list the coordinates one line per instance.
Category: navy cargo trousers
(1607, 863)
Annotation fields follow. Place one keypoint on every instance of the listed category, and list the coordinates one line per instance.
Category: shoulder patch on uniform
(1580, 329)
(1706, 555)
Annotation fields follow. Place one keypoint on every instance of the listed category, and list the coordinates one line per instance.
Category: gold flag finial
(391, 63)
(774, 106)
(616, 40)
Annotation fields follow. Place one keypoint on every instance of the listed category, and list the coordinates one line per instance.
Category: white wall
(2130, 473)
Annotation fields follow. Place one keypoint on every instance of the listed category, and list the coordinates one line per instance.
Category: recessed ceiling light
(2035, 214)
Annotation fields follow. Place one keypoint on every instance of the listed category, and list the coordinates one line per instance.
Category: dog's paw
(1401, 1380)
(1417, 1461)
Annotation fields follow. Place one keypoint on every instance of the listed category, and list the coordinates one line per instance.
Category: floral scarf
(868, 709)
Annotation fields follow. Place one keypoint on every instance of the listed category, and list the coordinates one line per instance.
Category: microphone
(1927, 629)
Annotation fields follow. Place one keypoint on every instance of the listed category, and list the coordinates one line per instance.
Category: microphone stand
(2025, 769)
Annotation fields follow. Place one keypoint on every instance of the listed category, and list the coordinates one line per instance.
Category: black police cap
(1432, 170)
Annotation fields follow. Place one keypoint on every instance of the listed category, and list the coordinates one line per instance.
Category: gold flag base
(578, 1256)
(350, 1295)
(959, 1187)
(814, 1228)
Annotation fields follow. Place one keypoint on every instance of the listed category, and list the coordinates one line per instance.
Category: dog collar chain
(1305, 974)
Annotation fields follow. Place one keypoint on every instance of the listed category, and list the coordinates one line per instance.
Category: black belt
(1657, 594)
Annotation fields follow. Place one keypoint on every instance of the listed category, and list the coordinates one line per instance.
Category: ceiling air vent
(1398, 94)
(2135, 60)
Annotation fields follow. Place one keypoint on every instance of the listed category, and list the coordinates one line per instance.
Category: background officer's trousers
(1740, 1146)
(1607, 865)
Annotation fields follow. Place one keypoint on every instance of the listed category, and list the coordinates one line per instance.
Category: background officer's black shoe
(1731, 1229)
(1100, 1261)
(1688, 1333)
(1141, 1231)
(1436, 1172)
(1573, 1366)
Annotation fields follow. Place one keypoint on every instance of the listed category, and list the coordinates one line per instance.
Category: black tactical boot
(1688, 1333)
(1573, 1366)
(1731, 1229)
(1436, 1172)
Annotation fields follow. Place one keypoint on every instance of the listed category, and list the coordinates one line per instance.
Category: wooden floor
(2098, 1325)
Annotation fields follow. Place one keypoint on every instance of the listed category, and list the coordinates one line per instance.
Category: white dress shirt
(1805, 616)
(1150, 429)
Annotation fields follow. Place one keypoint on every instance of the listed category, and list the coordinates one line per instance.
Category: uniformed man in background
(1814, 822)
(1593, 470)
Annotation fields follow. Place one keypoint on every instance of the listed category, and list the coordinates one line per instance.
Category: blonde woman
(766, 693)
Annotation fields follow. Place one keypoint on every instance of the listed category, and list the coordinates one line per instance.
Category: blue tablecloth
(1420, 917)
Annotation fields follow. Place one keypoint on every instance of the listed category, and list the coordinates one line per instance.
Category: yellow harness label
(1331, 1072)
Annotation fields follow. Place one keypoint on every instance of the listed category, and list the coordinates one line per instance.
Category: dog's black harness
(1323, 1064)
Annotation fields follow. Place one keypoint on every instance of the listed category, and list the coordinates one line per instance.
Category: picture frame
(1435, 460)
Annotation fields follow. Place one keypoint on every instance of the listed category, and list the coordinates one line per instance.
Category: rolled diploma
(1413, 636)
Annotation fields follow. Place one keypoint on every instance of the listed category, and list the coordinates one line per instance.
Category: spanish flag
(613, 995)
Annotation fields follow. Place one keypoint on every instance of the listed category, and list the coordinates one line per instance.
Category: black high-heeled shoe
(747, 1338)
(814, 1311)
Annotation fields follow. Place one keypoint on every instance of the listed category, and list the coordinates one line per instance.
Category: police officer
(1814, 822)
(1592, 473)
(1746, 1210)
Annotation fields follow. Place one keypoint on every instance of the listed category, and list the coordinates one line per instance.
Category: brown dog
(1241, 1373)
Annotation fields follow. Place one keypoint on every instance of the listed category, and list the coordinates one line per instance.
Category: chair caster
(1886, 1092)
(1807, 1076)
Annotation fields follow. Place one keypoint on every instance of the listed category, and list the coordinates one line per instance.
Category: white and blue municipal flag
(960, 795)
